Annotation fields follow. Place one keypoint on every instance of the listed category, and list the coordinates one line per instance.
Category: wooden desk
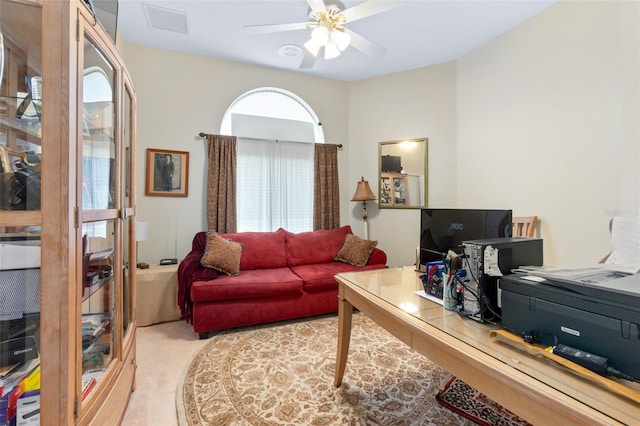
(531, 386)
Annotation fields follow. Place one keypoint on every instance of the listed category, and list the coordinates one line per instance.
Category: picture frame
(167, 173)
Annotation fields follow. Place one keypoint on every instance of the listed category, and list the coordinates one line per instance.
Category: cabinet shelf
(19, 236)
(93, 133)
(96, 342)
(20, 218)
(94, 326)
(89, 290)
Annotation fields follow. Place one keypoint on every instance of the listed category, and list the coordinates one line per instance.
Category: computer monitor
(442, 230)
(391, 163)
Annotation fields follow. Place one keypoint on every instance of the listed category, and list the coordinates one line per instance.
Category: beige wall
(542, 120)
(181, 95)
(413, 104)
(548, 117)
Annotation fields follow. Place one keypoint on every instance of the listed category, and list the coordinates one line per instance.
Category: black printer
(591, 309)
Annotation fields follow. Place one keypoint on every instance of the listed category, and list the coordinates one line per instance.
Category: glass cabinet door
(20, 217)
(98, 306)
(385, 190)
(128, 261)
(20, 109)
(101, 228)
(399, 191)
(99, 147)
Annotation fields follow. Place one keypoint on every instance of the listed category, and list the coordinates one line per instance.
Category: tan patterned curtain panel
(221, 184)
(326, 194)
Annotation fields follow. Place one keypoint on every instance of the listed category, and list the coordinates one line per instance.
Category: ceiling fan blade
(308, 60)
(364, 45)
(369, 8)
(317, 5)
(274, 28)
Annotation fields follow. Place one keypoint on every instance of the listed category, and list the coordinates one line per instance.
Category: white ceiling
(417, 33)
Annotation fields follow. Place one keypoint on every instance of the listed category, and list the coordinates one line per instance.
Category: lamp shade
(320, 35)
(341, 38)
(363, 192)
(331, 50)
(312, 47)
(142, 230)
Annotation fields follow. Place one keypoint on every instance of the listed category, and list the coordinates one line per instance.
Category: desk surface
(533, 387)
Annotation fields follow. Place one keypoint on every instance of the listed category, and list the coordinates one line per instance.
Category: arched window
(279, 108)
(274, 179)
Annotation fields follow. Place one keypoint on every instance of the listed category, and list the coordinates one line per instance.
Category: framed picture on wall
(167, 173)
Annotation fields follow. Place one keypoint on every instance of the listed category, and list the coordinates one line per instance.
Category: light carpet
(282, 374)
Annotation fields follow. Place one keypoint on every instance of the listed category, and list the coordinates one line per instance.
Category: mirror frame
(425, 160)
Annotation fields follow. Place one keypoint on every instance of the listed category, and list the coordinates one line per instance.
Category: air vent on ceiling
(166, 19)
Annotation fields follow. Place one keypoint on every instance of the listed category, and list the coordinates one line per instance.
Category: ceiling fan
(328, 19)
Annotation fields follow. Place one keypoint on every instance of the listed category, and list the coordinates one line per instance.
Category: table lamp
(364, 194)
(142, 234)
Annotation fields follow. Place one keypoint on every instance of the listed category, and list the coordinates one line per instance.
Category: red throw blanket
(191, 270)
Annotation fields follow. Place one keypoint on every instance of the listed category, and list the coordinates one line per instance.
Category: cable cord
(483, 300)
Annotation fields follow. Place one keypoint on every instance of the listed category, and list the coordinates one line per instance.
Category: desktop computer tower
(485, 261)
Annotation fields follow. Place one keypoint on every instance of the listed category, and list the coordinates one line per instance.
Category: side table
(157, 294)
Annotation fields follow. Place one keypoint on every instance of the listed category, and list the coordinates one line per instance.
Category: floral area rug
(462, 398)
(282, 374)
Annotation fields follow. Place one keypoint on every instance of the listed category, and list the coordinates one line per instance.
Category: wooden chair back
(524, 226)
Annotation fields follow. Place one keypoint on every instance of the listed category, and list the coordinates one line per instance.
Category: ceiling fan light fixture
(331, 50)
(312, 47)
(327, 22)
(341, 38)
(320, 35)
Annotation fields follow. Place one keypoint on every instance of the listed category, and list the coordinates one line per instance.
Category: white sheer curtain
(274, 185)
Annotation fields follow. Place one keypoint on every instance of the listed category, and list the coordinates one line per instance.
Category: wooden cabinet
(394, 189)
(67, 148)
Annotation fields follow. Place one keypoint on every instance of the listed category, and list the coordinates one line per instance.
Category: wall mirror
(403, 174)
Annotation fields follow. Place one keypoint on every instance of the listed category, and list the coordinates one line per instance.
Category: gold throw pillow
(222, 254)
(355, 250)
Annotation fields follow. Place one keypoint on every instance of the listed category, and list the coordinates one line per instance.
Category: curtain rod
(203, 135)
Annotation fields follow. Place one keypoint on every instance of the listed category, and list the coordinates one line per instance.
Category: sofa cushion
(261, 250)
(306, 248)
(355, 250)
(320, 277)
(250, 284)
(222, 254)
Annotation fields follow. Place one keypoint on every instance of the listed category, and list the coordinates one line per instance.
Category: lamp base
(364, 219)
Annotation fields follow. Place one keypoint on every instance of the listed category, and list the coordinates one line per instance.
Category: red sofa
(283, 275)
